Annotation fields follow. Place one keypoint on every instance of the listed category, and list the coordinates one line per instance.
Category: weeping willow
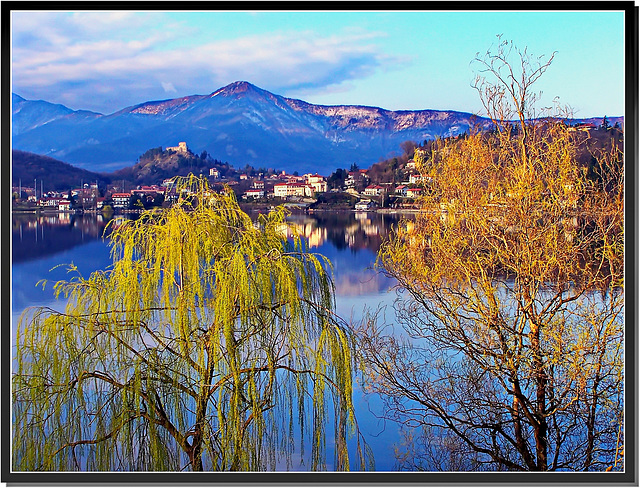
(209, 344)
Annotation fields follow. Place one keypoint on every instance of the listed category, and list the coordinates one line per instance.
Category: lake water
(349, 240)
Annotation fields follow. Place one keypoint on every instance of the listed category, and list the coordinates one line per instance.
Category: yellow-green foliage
(196, 350)
(514, 268)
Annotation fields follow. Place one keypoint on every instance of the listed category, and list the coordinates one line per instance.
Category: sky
(396, 60)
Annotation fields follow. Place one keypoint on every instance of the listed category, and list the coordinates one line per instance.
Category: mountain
(240, 123)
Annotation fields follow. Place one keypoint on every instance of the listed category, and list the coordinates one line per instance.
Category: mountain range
(239, 123)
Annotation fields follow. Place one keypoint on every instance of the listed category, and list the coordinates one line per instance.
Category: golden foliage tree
(511, 357)
(207, 344)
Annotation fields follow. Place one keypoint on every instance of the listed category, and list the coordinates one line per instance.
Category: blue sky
(106, 61)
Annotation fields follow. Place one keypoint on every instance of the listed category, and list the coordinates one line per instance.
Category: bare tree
(512, 311)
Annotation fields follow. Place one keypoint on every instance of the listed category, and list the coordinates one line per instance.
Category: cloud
(168, 87)
(82, 54)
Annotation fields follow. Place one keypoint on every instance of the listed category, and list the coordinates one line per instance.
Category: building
(214, 173)
(254, 193)
(374, 190)
(317, 182)
(121, 200)
(356, 177)
(414, 192)
(365, 205)
(64, 205)
(151, 190)
(180, 148)
(402, 190)
(284, 190)
(169, 183)
(49, 202)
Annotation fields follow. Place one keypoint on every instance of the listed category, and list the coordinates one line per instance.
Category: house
(414, 192)
(215, 173)
(284, 190)
(169, 183)
(121, 200)
(49, 202)
(416, 178)
(65, 205)
(316, 178)
(317, 182)
(402, 190)
(374, 190)
(258, 184)
(254, 193)
(365, 205)
(354, 177)
(171, 196)
(151, 191)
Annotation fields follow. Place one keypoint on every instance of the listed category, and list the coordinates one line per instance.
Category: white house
(64, 205)
(284, 190)
(121, 200)
(374, 190)
(365, 205)
(254, 193)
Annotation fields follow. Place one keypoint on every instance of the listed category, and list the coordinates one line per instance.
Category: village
(354, 190)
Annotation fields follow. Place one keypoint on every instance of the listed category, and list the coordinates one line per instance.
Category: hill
(57, 175)
(157, 164)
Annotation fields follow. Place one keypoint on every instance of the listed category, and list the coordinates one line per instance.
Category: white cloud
(168, 87)
(59, 52)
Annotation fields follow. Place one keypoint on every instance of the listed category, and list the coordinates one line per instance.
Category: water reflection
(36, 236)
(349, 240)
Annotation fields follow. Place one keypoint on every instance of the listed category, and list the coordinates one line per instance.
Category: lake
(350, 240)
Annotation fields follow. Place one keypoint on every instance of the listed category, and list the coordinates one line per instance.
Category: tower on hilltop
(181, 148)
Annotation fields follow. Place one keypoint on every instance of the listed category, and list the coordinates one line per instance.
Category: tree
(511, 353)
(337, 178)
(201, 348)
(408, 147)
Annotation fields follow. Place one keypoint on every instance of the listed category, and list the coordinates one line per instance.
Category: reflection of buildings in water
(350, 233)
(92, 226)
(371, 229)
(307, 229)
(366, 224)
